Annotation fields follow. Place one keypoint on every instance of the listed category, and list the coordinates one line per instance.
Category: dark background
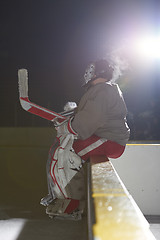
(55, 40)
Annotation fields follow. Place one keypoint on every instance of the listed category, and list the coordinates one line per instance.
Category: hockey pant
(96, 146)
(64, 167)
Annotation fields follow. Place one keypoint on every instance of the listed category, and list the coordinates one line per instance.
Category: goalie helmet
(98, 69)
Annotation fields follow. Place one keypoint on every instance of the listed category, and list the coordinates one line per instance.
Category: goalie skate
(65, 209)
(75, 216)
(45, 201)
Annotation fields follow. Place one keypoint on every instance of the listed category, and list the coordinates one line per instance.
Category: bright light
(148, 47)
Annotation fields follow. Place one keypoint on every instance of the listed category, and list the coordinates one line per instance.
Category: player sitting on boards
(97, 131)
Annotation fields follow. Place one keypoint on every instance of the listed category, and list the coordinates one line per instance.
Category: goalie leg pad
(45, 201)
(64, 166)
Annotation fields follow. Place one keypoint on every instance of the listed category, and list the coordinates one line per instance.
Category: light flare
(148, 47)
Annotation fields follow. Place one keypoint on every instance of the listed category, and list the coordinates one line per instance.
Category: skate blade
(77, 216)
(46, 201)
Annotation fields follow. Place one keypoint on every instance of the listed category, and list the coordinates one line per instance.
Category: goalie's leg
(96, 146)
(62, 207)
(45, 201)
(73, 207)
(72, 201)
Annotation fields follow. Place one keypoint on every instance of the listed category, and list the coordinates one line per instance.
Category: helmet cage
(89, 73)
(98, 69)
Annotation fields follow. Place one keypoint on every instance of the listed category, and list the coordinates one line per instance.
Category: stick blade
(23, 82)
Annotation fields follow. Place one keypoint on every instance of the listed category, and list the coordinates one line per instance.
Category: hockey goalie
(94, 131)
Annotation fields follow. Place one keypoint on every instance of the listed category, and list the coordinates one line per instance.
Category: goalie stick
(32, 107)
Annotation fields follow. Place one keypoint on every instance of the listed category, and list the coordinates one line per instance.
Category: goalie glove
(65, 128)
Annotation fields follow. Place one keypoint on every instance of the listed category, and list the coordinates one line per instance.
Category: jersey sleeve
(91, 117)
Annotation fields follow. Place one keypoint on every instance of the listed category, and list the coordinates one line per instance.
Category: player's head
(98, 69)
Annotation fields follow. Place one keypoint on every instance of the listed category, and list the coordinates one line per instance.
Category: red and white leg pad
(65, 164)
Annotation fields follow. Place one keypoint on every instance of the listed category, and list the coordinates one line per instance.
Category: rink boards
(23, 154)
(117, 216)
